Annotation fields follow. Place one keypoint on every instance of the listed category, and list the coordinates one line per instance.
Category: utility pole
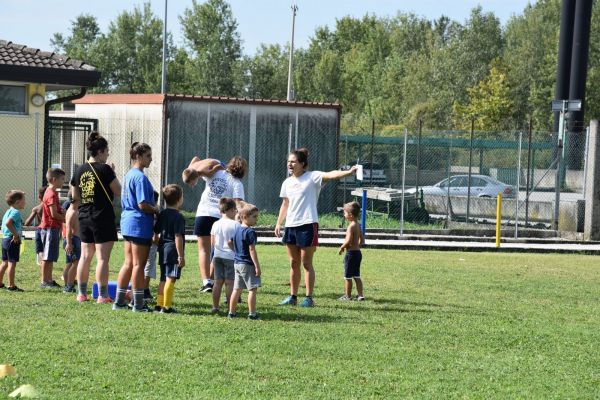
(163, 86)
(290, 91)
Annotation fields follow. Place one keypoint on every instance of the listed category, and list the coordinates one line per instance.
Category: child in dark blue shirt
(246, 265)
(170, 226)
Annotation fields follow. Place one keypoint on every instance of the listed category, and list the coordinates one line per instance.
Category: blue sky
(32, 22)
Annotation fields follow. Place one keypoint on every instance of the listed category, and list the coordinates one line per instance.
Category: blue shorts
(50, 240)
(169, 271)
(306, 235)
(76, 255)
(39, 246)
(352, 261)
(203, 225)
(10, 250)
(138, 240)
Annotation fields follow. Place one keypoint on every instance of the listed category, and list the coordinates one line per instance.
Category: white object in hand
(359, 172)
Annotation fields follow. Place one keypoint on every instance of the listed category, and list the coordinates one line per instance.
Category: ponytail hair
(138, 149)
(95, 143)
(302, 156)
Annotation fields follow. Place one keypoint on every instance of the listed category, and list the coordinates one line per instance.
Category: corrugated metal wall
(259, 133)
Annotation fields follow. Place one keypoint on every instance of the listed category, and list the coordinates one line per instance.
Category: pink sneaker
(81, 298)
(104, 300)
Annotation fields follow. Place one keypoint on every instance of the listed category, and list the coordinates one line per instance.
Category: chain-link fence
(21, 158)
(452, 178)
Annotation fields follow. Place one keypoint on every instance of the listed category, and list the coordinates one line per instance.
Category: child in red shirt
(52, 220)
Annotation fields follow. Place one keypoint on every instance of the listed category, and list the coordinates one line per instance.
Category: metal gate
(64, 143)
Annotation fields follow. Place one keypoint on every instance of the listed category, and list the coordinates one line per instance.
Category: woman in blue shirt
(137, 220)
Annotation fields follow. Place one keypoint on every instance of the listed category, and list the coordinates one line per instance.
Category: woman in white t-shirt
(300, 193)
(222, 183)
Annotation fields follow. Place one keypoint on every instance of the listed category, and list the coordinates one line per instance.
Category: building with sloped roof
(28, 76)
(179, 127)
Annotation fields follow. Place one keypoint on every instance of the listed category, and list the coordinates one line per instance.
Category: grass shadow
(298, 317)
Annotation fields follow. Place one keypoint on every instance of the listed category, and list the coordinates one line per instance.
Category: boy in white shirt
(222, 232)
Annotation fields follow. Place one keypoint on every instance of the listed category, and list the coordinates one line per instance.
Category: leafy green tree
(214, 45)
(83, 43)
(489, 103)
(267, 73)
(132, 51)
(530, 51)
(85, 33)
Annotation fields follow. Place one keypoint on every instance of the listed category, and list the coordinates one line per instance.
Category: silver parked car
(481, 186)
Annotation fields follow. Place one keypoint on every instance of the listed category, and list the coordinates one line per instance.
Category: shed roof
(20, 63)
(160, 98)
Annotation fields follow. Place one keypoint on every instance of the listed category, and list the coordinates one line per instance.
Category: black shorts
(203, 225)
(10, 250)
(169, 271)
(138, 240)
(93, 231)
(352, 261)
(306, 235)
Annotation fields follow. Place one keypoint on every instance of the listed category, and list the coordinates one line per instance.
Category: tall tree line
(394, 70)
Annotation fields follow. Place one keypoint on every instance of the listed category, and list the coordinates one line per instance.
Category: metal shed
(179, 127)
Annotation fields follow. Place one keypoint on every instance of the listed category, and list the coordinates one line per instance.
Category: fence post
(470, 169)
(529, 172)
(591, 228)
(498, 219)
(403, 183)
(36, 155)
(518, 186)
(372, 151)
(419, 156)
(363, 212)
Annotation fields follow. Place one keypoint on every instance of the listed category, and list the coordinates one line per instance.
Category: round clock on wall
(37, 100)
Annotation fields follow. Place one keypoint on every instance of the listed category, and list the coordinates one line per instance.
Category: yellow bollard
(498, 219)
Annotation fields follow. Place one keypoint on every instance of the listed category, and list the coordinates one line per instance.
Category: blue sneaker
(289, 301)
(307, 302)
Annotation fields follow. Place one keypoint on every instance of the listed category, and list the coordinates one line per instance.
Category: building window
(13, 99)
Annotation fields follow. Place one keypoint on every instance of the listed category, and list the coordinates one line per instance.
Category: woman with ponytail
(300, 193)
(95, 184)
(137, 222)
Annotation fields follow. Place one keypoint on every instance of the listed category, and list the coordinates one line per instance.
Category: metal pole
(372, 151)
(585, 159)
(518, 186)
(403, 181)
(363, 210)
(498, 219)
(346, 163)
(448, 168)
(529, 171)
(36, 155)
(290, 139)
(163, 86)
(419, 157)
(470, 169)
(290, 94)
(559, 154)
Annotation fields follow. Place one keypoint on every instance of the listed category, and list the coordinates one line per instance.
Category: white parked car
(379, 178)
(457, 185)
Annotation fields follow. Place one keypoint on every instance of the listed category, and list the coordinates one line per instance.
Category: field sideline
(435, 324)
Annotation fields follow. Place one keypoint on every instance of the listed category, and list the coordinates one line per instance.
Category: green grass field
(435, 325)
